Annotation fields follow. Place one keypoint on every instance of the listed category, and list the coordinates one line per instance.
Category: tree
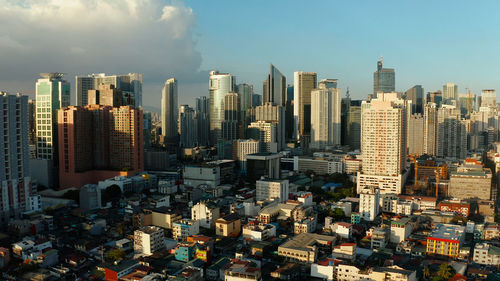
(446, 271)
(427, 271)
(115, 254)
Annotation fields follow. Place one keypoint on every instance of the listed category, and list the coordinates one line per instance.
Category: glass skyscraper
(219, 85)
(384, 79)
(275, 87)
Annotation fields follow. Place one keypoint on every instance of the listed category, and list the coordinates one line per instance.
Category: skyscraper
(265, 133)
(416, 134)
(430, 128)
(304, 83)
(275, 87)
(383, 144)
(130, 85)
(52, 93)
(467, 103)
(488, 98)
(203, 120)
(289, 121)
(99, 142)
(450, 94)
(230, 125)
(245, 93)
(187, 126)
(384, 79)
(328, 83)
(274, 114)
(169, 110)
(17, 193)
(452, 136)
(325, 117)
(219, 85)
(353, 125)
(416, 96)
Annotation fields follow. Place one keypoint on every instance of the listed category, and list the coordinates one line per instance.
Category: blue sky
(427, 42)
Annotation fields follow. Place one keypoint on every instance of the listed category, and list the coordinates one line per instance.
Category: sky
(428, 43)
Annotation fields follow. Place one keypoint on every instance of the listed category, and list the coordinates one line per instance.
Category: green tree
(115, 254)
(446, 271)
(427, 271)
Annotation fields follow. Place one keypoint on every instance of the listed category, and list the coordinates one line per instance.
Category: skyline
(190, 41)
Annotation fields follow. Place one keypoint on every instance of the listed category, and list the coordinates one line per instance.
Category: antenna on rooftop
(347, 93)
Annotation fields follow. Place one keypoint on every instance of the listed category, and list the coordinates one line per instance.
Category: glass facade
(219, 85)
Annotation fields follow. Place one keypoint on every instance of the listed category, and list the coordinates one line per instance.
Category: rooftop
(305, 240)
(448, 232)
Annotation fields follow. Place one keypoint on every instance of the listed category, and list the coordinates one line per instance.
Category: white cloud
(152, 37)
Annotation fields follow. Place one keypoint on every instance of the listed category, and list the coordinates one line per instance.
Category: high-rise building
(416, 96)
(416, 134)
(263, 164)
(187, 126)
(52, 93)
(203, 120)
(488, 98)
(265, 132)
(452, 135)
(467, 103)
(275, 87)
(384, 79)
(369, 199)
(169, 110)
(325, 117)
(274, 114)
(289, 123)
(383, 145)
(430, 128)
(107, 95)
(17, 192)
(304, 83)
(328, 83)
(32, 121)
(231, 123)
(245, 93)
(353, 125)
(130, 85)
(219, 85)
(241, 148)
(272, 189)
(435, 97)
(450, 94)
(99, 142)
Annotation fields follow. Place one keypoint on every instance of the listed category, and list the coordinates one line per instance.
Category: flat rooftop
(448, 232)
(304, 241)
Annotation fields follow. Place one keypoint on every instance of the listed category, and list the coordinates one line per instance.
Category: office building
(435, 97)
(263, 164)
(219, 85)
(231, 123)
(430, 128)
(17, 193)
(169, 110)
(52, 93)
(325, 117)
(416, 96)
(243, 147)
(471, 181)
(99, 142)
(203, 120)
(369, 198)
(353, 125)
(245, 94)
(130, 85)
(384, 121)
(304, 83)
(488, 98)
(272, 189)
(450, 94)
(266, 133)
(416, 134)
(289, 119)
(275, 87)
(187, 126)
(32, 123)
(148, 240)
(106, 95)
(328, 83)
(274, 114)
(452, 135)
(384, 79)
(446, 240)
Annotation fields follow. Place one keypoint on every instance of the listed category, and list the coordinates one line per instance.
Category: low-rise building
(206, 212)
(380, 237)
(470, 181)
(228, 226)
(455, 206)
(392, 273)
(324, 269)
(343, 229)
(306, 225)
(486, 254)
(258, 231)
(345, 251)
(272, 189)
(305, 246)
(241, 270)
(184, 228)
(369, 203)
(164, 217)
(149, 239)
(401, 228)
(446, 240)
(116, 271)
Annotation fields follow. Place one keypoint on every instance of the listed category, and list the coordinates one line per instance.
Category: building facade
(325, 117)
(169, 109)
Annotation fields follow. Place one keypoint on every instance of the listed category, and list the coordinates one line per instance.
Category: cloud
(152, 37)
